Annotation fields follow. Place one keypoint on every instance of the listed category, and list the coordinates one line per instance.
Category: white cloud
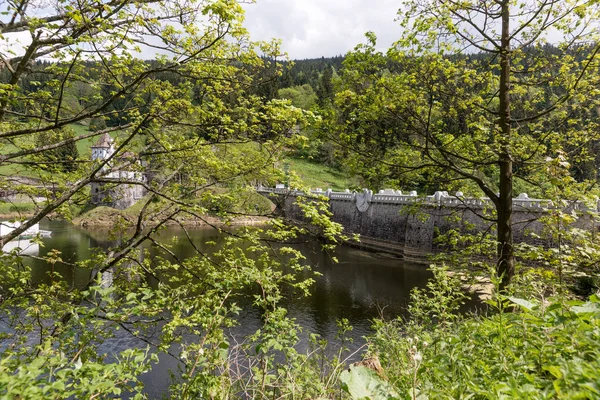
(315, 28)
(14, 44)
(308, 28)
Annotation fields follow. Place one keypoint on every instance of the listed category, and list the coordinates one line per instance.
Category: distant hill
(308, 71)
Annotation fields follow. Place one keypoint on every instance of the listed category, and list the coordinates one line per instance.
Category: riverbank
(108, 217)
(16, 215)
(16, 210)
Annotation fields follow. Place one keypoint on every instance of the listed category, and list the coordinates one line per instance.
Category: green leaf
(587, 308)
(523, 303)
(363, 383)
(554, 370)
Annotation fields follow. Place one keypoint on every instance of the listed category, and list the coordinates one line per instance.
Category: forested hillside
(312, 84)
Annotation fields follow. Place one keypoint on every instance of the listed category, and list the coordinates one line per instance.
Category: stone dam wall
(407, 225)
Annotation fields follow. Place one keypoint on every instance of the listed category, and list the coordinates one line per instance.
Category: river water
(360, 287)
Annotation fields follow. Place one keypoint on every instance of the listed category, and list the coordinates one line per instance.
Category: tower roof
(105, 141)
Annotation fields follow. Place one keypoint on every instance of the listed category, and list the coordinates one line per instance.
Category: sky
(310, 28)
(315, 28)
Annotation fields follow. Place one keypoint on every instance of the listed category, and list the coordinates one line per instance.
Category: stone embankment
(408, 224)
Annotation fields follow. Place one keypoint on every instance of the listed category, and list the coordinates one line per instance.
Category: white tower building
(103, 148)
(121, 196)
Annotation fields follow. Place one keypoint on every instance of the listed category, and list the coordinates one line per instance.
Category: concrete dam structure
(408, 225)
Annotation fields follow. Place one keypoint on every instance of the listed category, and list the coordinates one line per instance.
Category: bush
(223, 201)
(6, 208)
(97, 124)
(522, 349)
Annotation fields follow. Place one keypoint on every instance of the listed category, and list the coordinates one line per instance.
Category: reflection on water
(360, 287)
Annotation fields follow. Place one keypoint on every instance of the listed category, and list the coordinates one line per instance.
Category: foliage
(97, 124)
(301, 96)
(316, 175)
(202, 124)
(544, 348)
(309, 71)
(54, 375)
(472, 93)
(439, 303)
(16, 207)
(363, 383)
(325, 88)
(63, 158)
(189, 121)
(226, 202)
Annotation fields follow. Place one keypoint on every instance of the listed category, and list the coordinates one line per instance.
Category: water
(360, 287)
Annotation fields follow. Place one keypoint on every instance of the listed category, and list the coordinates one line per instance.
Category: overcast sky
(315, 28)
(308, 28)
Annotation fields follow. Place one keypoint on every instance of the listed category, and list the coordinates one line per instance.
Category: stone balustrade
(391, 196)
(390, 216)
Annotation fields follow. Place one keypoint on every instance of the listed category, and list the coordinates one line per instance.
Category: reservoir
(360, 287)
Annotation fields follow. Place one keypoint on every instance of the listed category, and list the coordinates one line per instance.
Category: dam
(408, 225)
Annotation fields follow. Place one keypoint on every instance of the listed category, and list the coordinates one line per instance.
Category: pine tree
(325, 88)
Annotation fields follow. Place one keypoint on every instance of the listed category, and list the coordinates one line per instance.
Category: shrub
(97, 124)
(521, 349)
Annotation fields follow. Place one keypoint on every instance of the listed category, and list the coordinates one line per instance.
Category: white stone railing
(391, 196)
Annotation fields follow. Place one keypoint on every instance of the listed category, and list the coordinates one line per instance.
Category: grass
(16, 208)
(83, 147)
(14, 169)
(319, 176)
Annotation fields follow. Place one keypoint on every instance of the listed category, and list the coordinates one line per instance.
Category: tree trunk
(506, 257)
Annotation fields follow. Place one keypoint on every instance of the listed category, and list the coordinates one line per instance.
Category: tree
(325, 87)
(57, 159)
(93, 43)
(301, 96)
(97, 124)
(189, 121)
(471, 92)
